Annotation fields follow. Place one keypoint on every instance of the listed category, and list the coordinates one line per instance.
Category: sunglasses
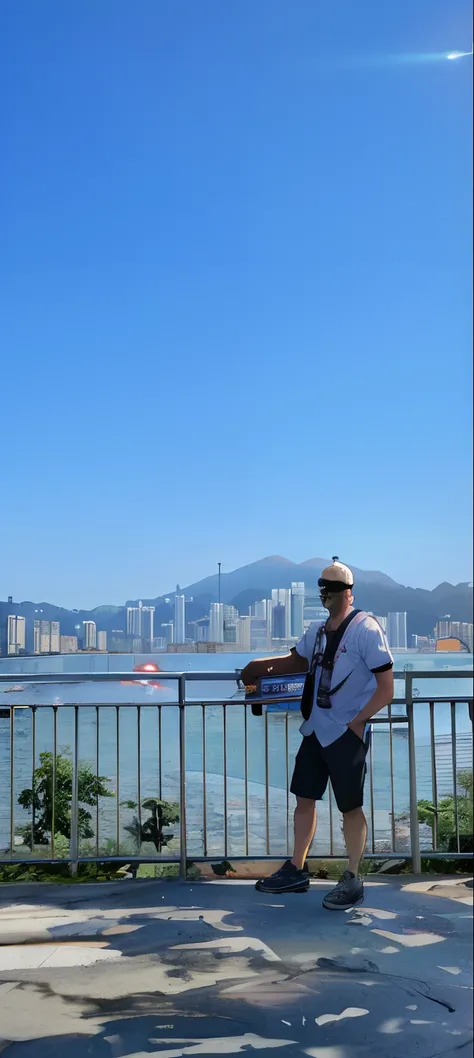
(333, 587)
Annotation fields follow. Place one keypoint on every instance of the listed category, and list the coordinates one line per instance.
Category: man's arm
(278, 666)
(381, 697)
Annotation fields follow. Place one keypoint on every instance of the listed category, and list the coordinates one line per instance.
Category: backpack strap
(332, 647)
(325, 661)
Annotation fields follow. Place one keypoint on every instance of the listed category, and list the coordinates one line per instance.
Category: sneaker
(287, 880)
(349, 892)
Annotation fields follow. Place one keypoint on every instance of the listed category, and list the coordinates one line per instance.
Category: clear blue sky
(235, 291)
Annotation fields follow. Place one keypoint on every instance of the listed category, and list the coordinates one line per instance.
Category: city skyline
(276, 613)
(276, 623)
(225, 220)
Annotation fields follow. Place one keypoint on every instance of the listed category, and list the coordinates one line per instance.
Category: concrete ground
(168, 969)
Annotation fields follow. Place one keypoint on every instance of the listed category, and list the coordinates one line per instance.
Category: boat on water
(17, 687)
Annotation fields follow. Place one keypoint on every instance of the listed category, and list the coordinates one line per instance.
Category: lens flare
(458, 54)
(423, 58)
(148, 667)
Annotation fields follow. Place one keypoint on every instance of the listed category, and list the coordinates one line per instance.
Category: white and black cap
(336, 577)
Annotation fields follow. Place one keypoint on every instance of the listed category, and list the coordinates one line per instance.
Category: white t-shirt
(363, 651)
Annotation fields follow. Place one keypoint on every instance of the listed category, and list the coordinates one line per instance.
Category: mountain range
(373, 591)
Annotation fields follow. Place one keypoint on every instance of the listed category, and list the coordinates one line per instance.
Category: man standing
(349, 679)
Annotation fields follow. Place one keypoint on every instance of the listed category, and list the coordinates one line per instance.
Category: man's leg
(355, 837)
(347, 768)
(308, 784)
(305, 826)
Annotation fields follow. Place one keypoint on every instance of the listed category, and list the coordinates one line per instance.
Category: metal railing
(227, 772)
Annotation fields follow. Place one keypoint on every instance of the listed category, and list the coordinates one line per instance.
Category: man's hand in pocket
(358, 727)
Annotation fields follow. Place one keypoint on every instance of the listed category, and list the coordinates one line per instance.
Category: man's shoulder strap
(356, 616)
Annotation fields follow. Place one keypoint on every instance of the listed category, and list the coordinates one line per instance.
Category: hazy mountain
(275, 572)
(374, 591)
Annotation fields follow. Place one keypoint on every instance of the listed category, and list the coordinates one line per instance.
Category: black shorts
(343, 762)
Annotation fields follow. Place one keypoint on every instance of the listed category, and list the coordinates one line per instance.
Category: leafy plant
(54, 786)
(443, 819)
(162, 814)
(59, 873)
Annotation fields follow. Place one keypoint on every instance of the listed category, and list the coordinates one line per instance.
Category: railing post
(12, 781)
(182, 779)
(414, 825)
(73, 843)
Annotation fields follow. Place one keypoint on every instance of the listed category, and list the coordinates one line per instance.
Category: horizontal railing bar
(210, 703)
(11, 861)
(326, 856)
(430, 854)
(426, 854)
(213, 676)
(34, 861)
(169, 705)
(462, 700)
(99, 677)
(465, 674)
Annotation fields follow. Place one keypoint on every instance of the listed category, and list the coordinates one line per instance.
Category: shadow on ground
(206, 969)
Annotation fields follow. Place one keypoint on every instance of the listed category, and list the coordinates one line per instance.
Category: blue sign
(279, 693)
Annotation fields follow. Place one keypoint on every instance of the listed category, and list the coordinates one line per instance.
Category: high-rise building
(281, 613)
(168, 631)
(200, 630)
(448, 629)
(158, 644)
(216, 623)
(148, 618)
(443, 628)
(262, 611)
(68, 644)
(243, 633)
(297, 609)
(422, 643)
(231, 621)
(16, 634)
(46, 637)
(55, 637)
(261, 625)
(102, 640)
(258, 609)
(463, 631)
(179, 619)
(134, 619)
(90, 635)
(467, 634)
(259, 638)
(42, 636)
(119, 643)
(397, 631)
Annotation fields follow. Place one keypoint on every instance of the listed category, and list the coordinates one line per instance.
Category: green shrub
(443, 821)
(162, 814)
(50, 789)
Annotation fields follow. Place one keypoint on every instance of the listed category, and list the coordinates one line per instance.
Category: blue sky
(235, 297)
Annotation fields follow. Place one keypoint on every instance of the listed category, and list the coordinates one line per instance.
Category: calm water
(111, 741)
